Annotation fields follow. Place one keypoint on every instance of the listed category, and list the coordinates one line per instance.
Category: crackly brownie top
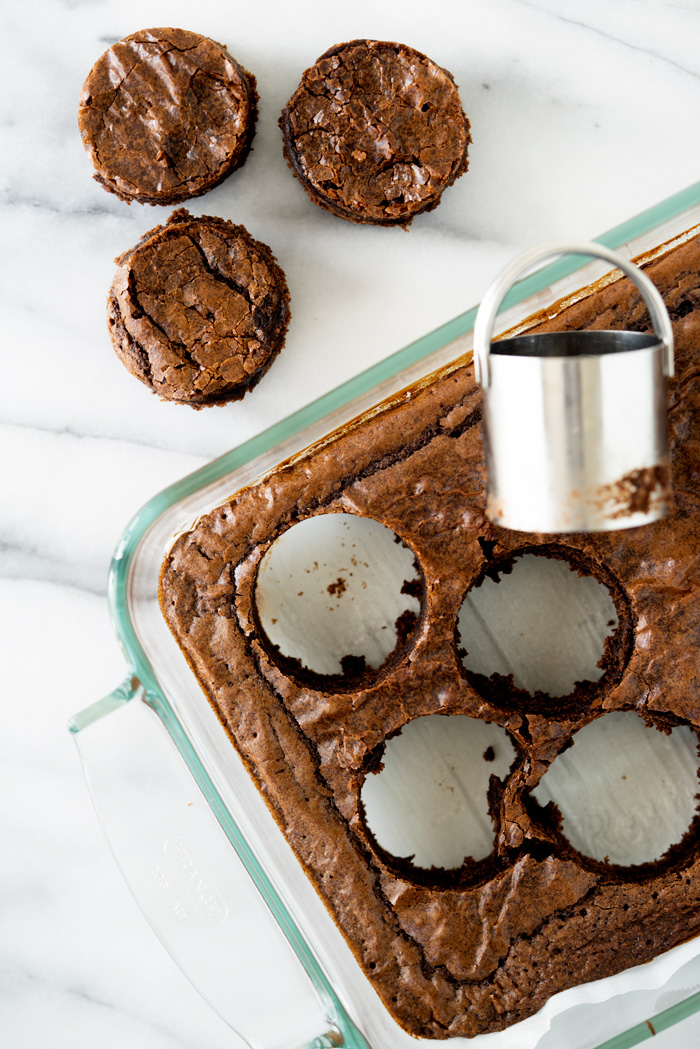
(474, 949)
(198, 309)
(166, 114)
(375, 132)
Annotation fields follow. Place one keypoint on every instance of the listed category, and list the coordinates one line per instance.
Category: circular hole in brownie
(428, 805)
(338, 596)
(541, 625)
(627, 792)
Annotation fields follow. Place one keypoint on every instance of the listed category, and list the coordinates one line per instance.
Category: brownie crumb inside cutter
(575, 429)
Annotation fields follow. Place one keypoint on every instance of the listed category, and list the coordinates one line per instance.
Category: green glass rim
(141, 679)
(383, 370)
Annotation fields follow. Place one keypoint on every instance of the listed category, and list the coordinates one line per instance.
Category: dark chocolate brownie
(475, 949)
(166, 115)
(198, 310)
(375, 132)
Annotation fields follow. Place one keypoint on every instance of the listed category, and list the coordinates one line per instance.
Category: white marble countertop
(582, 115)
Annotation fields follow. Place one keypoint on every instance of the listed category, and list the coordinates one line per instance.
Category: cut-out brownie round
(375, 132)
(198, 310)
(165, 115)
(473, 948)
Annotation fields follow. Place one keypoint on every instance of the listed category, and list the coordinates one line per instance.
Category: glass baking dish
(193, 838)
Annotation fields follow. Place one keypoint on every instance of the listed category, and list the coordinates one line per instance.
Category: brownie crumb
(405, 625)
(353, 666)
(489, 754)
(412, 588)
(488, 546)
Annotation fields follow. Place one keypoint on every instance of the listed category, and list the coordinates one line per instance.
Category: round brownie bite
(166, 115)
(375, 132)
(198, 310)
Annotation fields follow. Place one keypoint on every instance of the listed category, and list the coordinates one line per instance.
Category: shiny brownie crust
(165, 115)
(375, 132)
(473, 950)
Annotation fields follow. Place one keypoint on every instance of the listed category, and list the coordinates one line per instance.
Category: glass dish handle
(191, 885)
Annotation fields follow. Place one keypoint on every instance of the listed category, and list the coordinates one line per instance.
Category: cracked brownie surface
(166, 115)
(375, 132)
(198, 310)
(480, 947)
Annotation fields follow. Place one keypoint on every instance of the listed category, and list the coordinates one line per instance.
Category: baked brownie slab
(198, 310)
(375, 132)
(480, 947)
(165, 115)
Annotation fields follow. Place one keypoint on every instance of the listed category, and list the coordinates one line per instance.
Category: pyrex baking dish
(191, 834)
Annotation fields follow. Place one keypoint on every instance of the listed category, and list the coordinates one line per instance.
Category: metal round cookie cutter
(575, 427)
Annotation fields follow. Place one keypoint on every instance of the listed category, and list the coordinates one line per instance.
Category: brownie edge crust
(375, 132)
(474, 950)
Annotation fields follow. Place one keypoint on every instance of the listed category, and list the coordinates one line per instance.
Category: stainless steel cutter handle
(495, 293)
